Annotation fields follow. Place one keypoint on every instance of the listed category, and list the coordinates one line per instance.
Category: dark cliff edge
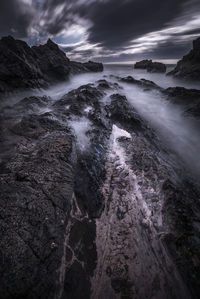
(23, 67)
(189, 66)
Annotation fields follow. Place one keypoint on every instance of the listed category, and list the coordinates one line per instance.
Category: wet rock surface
(23, 67)
(189, 66)
(91, 204)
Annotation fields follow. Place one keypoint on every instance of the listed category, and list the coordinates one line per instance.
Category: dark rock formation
(189, 66)
(120, 111)
(182, 93)
(113, 218)
(188, 98)
(146, 84)
(35, 205)
(150, 66)
(156, 67)
(24, 67)
(90, 66)
(143, 64)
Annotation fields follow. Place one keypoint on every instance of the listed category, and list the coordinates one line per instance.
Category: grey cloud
(15, 18)
(113, 25)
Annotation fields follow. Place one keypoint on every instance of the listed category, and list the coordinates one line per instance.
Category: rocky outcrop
(143, 64)
(143, 83)
(189, 66)
(23, 67)
(189, 99)
(91, 205)
(150, 66)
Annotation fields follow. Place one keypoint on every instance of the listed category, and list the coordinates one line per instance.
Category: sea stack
(150, 66)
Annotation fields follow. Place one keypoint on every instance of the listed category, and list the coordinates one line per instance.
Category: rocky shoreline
(92, 203)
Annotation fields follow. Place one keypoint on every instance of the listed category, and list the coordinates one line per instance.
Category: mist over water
(178, 132)
(181, 134)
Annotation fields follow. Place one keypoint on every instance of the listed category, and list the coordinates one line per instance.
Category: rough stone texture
(113, 219)
(36, 195)
(24, 67)
(150, 66)
(189, 66)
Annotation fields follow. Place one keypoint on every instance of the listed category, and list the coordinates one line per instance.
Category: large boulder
(189, 66)
(150, 66)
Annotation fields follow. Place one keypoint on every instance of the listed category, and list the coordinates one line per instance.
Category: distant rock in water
(150, 66)
(189, 66)
(143, 64)
(23, 67)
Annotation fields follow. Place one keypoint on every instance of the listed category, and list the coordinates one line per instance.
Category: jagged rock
(150, 66)
(23, 67)
(53, 63)
(189, 66)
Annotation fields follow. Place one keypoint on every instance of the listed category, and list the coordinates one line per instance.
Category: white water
(81, 127)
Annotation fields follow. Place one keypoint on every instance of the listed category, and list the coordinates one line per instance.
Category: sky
(105, 30)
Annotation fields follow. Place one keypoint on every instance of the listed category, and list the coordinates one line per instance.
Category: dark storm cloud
(111, 29)
(15, 18)
(115, 23)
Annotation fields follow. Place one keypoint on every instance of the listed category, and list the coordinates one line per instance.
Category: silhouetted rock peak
(52, 45)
